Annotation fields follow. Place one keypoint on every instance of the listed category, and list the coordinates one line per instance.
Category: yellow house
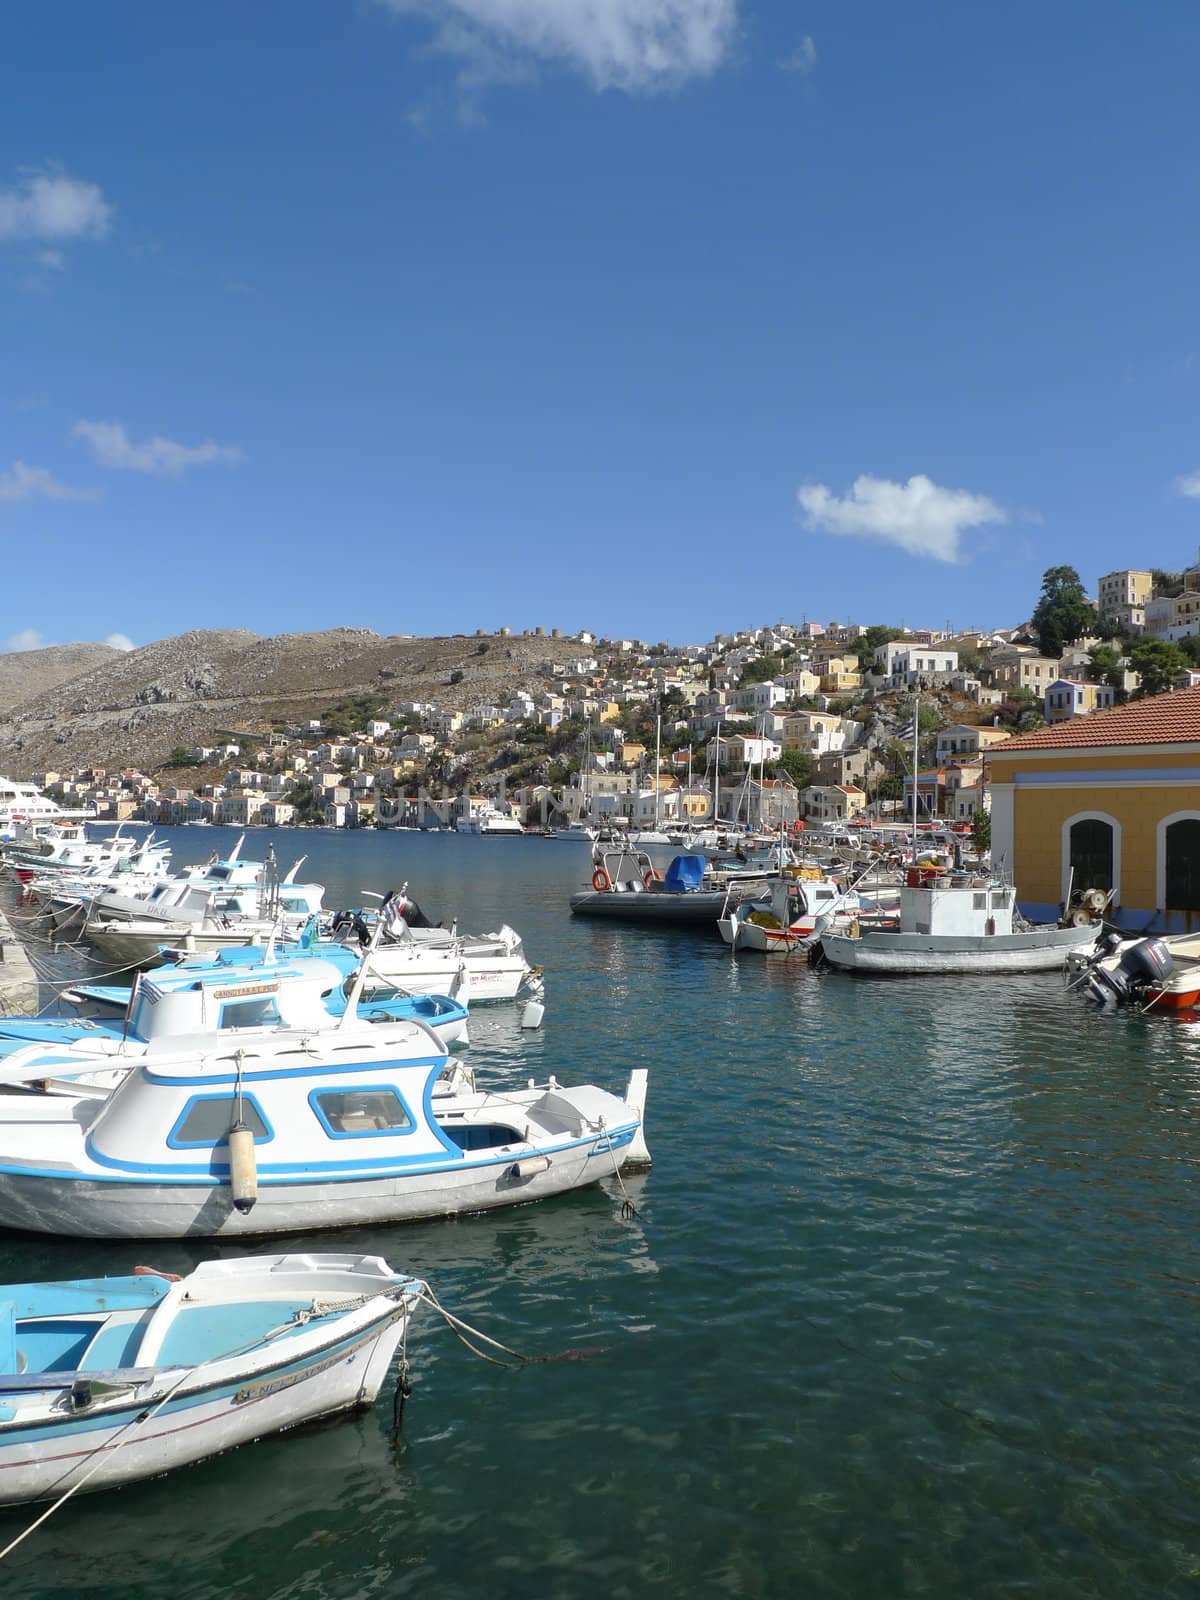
(1110, 801)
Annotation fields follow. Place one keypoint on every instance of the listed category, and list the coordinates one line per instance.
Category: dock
(18, 981)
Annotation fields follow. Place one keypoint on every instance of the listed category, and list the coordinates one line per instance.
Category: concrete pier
(18, 981)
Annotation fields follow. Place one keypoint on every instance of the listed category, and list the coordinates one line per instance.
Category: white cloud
(919, 516)
(803, 58)
(1189, 485)
(120, 641)
(51, 206)
(23, 482)
(26, 639)
(635, 45)
(162, 458)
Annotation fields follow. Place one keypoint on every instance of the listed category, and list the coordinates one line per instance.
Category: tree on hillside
(797, 765)
(1104, 666)
(1063, 612)
(1190, 645)
(760, 671)
(1160, 664)
(879, 633)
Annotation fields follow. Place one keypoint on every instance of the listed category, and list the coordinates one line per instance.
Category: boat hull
(1041, 950)
(41, 1202)
(699, 908)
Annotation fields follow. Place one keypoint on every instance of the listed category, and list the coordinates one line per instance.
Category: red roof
(1172, 718)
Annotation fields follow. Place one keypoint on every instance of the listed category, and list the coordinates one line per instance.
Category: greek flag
(909, 731)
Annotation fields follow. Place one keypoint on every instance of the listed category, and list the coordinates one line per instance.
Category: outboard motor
(1145, 965)
(1148, 962)
(401, 905)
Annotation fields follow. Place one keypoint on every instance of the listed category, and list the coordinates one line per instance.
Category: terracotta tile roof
(1172, 718)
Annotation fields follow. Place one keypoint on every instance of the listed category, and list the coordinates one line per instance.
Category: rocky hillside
(131, 709)
(25, 673)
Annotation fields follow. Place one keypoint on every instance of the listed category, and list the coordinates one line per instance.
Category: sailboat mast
(916, 765)
(657, 765)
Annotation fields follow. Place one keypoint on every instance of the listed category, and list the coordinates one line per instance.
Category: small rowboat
(107, 1380)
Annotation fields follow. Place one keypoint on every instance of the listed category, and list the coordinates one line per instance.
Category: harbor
(908, 1284)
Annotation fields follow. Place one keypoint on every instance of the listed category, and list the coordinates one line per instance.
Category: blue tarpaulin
(685, 872)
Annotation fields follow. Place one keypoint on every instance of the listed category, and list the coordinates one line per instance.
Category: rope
(98, 1460)
(628, 1210)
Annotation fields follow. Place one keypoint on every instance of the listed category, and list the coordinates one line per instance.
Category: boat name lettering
(250, 988)
(260, 1391)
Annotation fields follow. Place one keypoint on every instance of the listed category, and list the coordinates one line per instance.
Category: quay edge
(18, 981)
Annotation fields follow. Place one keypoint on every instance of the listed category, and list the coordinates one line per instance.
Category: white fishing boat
(294, 1130)
(954, 922)
(112, 1027)
(104, 1381)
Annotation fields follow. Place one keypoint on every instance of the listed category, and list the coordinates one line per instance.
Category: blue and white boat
(249, 988)
(107, 1380)
(294, 1130)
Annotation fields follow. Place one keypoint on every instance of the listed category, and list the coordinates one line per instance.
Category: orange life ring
(651, 877)
(601, 879)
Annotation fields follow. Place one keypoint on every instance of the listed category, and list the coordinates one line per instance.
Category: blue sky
(653, 316)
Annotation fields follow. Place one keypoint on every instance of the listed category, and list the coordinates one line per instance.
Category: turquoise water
(910, 1307)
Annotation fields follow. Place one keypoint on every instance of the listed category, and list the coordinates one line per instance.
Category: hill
(133, 708)
(24, 673)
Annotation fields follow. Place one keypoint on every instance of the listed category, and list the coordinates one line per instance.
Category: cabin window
(980, 902)
(353, 1113)
(261, 1012)
(207, 1119)
(999, 899)
(1091, 854)
(1182, 890)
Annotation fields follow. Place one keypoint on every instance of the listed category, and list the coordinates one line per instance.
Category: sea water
(909, 1305)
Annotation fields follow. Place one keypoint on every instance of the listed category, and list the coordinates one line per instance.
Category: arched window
(1091, 854)
(1181, 864)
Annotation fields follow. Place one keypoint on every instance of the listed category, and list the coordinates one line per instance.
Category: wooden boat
(953, 922)
(107, 1380)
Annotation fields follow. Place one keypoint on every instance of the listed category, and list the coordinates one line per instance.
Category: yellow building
(1110, 801)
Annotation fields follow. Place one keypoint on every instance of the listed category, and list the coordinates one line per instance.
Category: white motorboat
(419, 957)
(105, 1381)
(295, 1132)
(230, 902)
(954, 922)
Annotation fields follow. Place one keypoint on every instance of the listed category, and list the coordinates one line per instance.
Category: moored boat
(105, 1381)
(292, 1131)
(626, 885)
(955, 923)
